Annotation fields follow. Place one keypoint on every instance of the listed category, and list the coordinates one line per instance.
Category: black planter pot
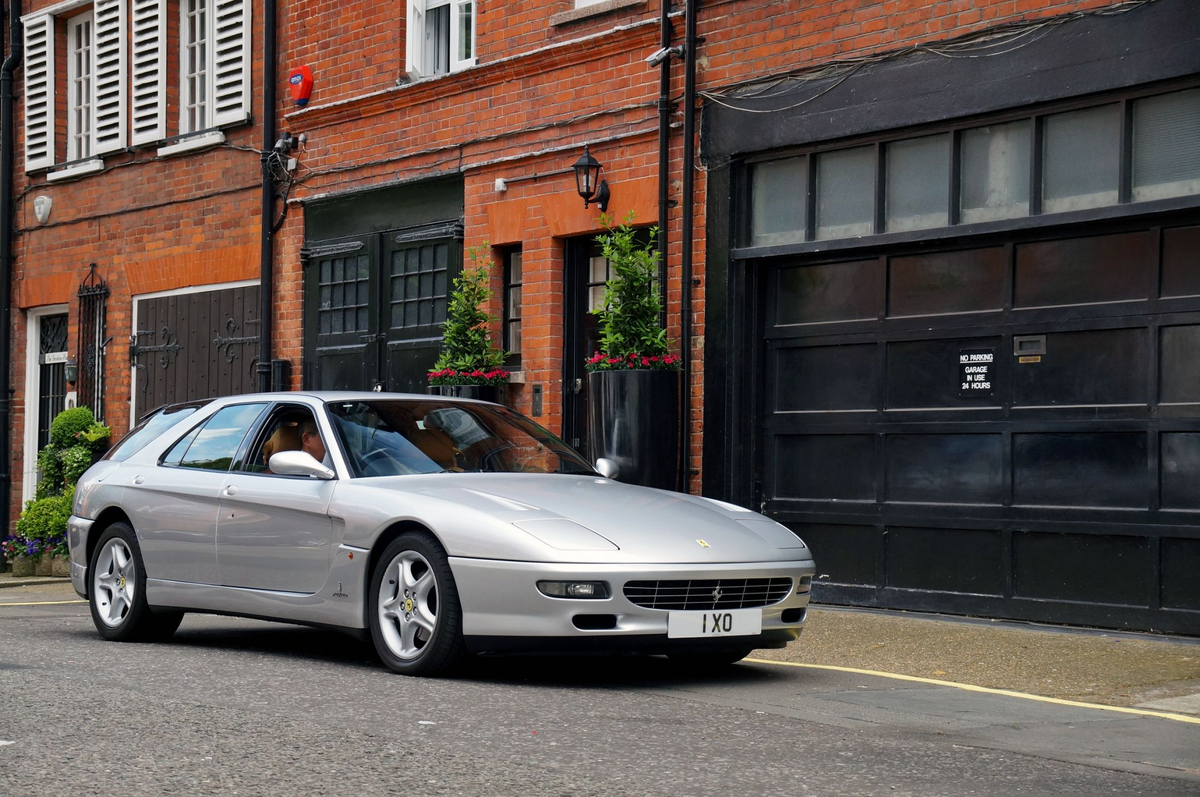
(492, 393)
(633, 419)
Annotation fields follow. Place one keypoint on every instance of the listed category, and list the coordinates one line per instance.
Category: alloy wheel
(408, 604)
(115, 581)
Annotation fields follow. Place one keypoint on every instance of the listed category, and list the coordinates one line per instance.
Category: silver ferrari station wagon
(437, 527)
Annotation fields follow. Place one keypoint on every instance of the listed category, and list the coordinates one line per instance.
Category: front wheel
(118, 591)
(416, 618)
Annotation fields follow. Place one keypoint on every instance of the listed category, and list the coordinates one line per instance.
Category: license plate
(713, 624)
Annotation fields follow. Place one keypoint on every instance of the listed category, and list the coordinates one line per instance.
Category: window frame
(239, 452)
(257, 438)
(417, 54)
(79, 142)
(205, 7)
(744, 248)
(507, 319)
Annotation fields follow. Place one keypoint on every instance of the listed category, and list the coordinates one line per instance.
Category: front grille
(725, 593)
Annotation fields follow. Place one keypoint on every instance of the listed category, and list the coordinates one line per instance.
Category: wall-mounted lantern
(71, 371)
(588, 182)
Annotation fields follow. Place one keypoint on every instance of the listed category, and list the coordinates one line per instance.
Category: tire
(117, 590)
(414, 610)
(709, 661)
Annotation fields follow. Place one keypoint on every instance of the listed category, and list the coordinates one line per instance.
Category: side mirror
(299, 463)
(607, 468)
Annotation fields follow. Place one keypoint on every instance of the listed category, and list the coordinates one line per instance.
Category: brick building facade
(425, 142)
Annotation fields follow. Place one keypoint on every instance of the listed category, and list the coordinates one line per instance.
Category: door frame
(33, 386)
(133, 324)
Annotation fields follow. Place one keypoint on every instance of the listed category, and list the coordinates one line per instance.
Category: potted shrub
(76, 441)
(633, 382)
(469, 366)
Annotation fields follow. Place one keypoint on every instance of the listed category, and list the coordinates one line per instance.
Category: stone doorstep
(8, 580)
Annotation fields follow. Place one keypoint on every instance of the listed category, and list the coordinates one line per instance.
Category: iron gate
(93, 305)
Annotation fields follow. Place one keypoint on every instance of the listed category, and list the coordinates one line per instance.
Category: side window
(214, 445)
(291, 428)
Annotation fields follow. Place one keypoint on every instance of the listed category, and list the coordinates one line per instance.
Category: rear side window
(139, 436)
(213, 445)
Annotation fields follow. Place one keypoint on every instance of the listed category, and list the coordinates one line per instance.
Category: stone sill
(594, 10)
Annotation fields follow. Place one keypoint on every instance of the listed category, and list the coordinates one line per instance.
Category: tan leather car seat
(285, 438)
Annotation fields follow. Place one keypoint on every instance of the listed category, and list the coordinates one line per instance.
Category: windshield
(397, 437)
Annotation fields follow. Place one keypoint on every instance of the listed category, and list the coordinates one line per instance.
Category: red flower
(645, 361)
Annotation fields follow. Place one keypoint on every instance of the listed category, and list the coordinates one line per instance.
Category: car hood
(643, 524)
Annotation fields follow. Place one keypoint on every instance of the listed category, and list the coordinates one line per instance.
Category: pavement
(1091, 666)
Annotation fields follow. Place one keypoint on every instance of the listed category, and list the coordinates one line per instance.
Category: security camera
(663, 53)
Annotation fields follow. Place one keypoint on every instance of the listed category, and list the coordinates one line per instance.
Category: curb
(6, 581)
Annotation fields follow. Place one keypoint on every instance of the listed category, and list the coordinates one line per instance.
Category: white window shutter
(39, 92)
(108, 77)
(414, 38)
(149, 75)
(230, 45)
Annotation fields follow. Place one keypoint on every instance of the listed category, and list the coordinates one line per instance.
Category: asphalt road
(233, 706)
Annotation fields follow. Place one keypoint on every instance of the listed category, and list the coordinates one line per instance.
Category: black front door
(583, 294)
(374, 307)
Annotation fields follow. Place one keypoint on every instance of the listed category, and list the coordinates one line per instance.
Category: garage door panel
(826, 292)
(1093, 568)
(925, 373)
(918, 558)
(1083, 469)
(1180, 262)
(1090, 367)
(825, 466)
(1101, 268)
(843, 552)
(946, 468)
(946, 282)
(1180, 564)
(1179, 363)
(1180, 453)
(825, 378)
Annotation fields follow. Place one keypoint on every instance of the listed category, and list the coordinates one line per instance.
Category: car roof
(333, 395)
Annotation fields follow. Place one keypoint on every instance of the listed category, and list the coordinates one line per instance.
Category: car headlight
(595, 590)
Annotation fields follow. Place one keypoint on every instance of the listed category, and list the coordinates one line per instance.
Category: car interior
(281, 433)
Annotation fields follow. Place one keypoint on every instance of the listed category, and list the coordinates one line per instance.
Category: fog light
(574, 589)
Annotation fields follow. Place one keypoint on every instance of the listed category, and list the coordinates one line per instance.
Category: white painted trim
(210, 139)
(56, 9)
(81, 169)
(133, 301)
(74, 24)
(33, 384)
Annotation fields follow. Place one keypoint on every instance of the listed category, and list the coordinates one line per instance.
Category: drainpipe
(664, 131)
(7, 139)
(689, 190)
(266, 290)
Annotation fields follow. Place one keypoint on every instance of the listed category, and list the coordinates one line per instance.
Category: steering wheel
(372, 459)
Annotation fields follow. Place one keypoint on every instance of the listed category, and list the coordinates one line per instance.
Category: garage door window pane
(1166, 146)
(779, 192)
(846, 193)
(995, 172)
(918, 183)
(1081, 152)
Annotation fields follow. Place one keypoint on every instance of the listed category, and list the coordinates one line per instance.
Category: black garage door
(1010, 428)
(194, 345)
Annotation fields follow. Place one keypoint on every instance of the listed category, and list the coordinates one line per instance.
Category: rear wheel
(118, 590)
(416, 618)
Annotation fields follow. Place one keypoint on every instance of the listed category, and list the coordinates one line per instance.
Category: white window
(440, 36)
(79, 87)
(193, 67)
(214, 63)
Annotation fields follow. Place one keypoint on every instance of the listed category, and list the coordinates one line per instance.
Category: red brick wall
(539, 93)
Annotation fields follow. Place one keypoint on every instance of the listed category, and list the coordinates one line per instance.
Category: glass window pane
(1081, 159)
(595, 299)
(216, 444)
(514, 337)
(1166, 145)
(598, 270)
(846, 193)
(778, 199)
(514, 302)
(918, 183)
(466, 39)
(995, 172)
(515, 263)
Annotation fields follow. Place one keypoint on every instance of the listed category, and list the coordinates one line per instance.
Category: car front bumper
(78, 529)
(503, 610)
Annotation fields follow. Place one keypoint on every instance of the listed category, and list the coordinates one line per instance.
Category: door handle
(231, 490)
(139, 479)
(578, 386)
